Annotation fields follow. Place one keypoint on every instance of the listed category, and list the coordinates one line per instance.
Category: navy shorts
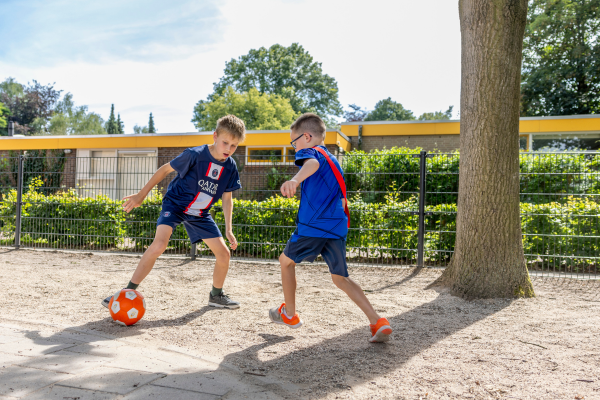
(303, 248)
(198, 228)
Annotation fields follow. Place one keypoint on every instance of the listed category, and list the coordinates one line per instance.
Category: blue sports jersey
(200, 182)
(321, 212)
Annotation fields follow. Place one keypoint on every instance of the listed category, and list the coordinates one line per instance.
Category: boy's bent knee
(223, 254)
(285, 261)
(339, 280)
(157, 247)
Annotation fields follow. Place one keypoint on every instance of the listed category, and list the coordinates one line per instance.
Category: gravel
(443, 347)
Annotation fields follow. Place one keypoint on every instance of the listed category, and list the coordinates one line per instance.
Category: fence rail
(402, 204)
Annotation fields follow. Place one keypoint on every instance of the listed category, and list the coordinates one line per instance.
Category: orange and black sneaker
(381, 331)
(277, 315)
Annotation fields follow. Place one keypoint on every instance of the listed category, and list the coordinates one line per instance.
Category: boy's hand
(132, 201)
(288, 189)
(232, 240)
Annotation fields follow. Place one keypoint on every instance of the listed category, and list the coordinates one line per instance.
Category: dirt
(443, 347)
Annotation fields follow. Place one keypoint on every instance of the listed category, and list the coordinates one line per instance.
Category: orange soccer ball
(127, 307)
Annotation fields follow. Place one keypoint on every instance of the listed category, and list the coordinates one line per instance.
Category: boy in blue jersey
(322, 225)
(204, 175)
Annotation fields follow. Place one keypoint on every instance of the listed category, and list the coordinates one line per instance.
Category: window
(273, 154)
(524, 142)
(102, 164)
(566, 142)
(290, 155)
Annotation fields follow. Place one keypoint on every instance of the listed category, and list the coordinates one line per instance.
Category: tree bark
(488, 257)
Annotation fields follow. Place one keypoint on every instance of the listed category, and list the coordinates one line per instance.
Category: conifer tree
(120, 125)
(111, 125)
(151, 128)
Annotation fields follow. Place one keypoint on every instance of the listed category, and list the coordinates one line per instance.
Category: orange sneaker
(381, 331)
(277, 315)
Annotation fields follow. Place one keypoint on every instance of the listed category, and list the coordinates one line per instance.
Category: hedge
(544, 177)
(562, 233)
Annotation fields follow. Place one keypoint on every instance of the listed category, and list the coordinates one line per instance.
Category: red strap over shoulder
(339, 178)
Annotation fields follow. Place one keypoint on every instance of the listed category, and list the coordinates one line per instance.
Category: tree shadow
(336, 364)
(414, 273)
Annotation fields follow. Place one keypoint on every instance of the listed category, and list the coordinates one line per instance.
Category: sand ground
(443, 347)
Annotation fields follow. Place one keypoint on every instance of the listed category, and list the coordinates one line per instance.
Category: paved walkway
(40, 361)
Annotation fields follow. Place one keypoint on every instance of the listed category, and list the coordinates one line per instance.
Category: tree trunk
(488, 257)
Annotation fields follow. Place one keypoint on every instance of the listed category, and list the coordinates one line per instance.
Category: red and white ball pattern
(127, 307)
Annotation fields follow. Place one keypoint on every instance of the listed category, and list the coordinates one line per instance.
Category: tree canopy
(112, 127)
(140, 129)
(151, 128)
(389, 110)
(257, 110)
(355, 113)
(437, 115)
(289, 72)
(69, 119)
(31, 106)
(3, 114)
(561, 58)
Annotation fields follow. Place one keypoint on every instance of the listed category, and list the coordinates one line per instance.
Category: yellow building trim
(404, 129)
(538, 125)
(136, 141)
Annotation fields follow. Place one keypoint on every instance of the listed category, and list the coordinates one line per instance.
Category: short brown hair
(311, 123)
(232, 125)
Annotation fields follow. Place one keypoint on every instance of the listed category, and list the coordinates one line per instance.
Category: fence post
(193, 251)
(19, 202)
(360, 138)
(422, 192)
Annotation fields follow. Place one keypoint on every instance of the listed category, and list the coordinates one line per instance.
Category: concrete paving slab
(159, 362)
(19, 381)
(110, 379)
(6, 360)
(108, 349)
(64, 361)
(33, 348)
(56, 392)
(67, 336)
(236, 395)
(159, 392)
(213, 383)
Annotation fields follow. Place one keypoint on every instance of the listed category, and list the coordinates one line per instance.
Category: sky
(162, 57)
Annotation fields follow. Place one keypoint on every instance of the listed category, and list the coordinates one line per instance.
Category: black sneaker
(222, 301)
(106, 301)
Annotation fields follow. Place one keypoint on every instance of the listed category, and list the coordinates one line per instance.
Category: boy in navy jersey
(322, 225)
(204, 175)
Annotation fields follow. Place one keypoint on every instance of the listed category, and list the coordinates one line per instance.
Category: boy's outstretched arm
(227, 200)
(135, 200)
(310, 166)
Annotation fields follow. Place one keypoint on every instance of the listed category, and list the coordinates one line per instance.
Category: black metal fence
(403, 207)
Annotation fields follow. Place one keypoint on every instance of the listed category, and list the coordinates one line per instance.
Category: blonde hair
(311, 123)
(232, 125)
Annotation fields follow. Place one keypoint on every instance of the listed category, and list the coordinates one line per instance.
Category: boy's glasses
(293, 142)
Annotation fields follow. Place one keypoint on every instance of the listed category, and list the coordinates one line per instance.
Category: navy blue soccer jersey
(321, 212)
(200, 182)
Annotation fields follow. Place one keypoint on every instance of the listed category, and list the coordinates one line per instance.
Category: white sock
(286, 314)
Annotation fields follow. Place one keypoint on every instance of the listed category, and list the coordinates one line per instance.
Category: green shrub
(562, 234)
(63, 219)
(545, 177)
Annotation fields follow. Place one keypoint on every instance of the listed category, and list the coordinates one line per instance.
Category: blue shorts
(198, 228)
(304, 248)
